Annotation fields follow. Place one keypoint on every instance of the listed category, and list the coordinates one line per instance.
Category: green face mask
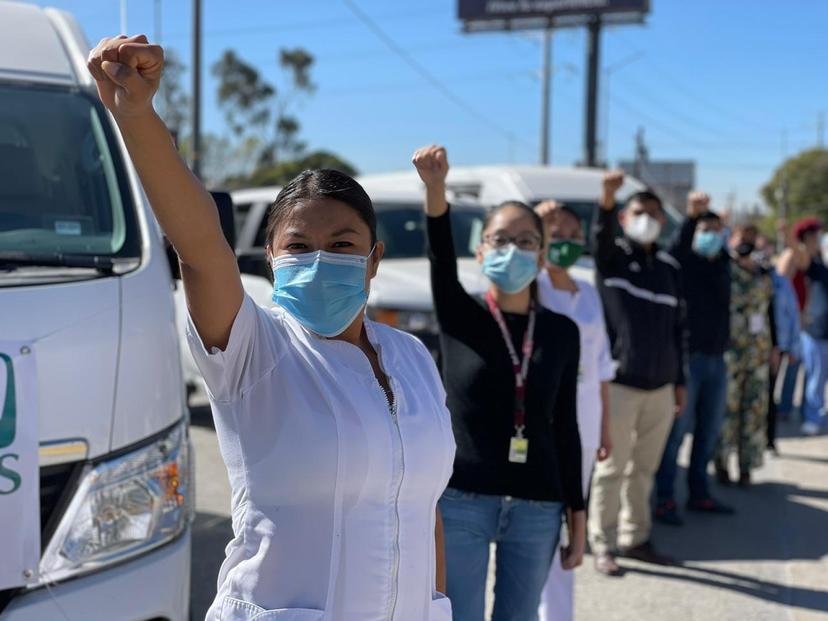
(565, 252)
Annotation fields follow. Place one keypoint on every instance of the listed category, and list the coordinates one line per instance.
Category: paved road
(768, 563)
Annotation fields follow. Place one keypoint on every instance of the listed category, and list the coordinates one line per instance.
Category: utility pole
(593, 59)
(195, 113)
(124, 17)
(821, 129)
(546, 87)
(157, 21)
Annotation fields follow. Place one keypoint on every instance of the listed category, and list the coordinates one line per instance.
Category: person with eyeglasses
(560, 291)
(510, 368)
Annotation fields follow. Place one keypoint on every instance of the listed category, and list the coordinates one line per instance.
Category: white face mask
(642, 228)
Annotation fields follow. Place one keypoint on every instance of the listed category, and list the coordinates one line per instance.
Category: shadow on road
(799, 597)
(210, 536)
(774, 521)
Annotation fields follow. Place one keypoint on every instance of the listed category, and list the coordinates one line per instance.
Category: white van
(401, 292)
(579, 188)
(95, 458)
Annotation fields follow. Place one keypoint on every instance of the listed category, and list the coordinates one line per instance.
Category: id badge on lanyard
(518, 443)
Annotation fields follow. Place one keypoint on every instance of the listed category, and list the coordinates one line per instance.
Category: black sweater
(480, 386)
(643, 305)
(707, 293)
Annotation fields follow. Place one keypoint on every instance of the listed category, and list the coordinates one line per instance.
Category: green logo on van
(8, 417)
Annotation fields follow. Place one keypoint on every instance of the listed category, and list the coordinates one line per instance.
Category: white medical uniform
(334, 496)
(585, 309)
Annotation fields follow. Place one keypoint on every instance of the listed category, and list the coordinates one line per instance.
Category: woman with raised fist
(510, 368)
(333, 428)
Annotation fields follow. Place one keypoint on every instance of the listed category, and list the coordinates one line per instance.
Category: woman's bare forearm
(181, 203)
(440, 550)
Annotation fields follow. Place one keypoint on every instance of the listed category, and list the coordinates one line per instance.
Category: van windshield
(63, 190)
(402, 228)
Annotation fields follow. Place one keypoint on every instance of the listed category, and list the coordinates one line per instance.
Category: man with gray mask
(643, 303)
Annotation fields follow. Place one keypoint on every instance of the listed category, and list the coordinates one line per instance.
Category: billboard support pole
(195, 164)
(593, 61)
(546, 87)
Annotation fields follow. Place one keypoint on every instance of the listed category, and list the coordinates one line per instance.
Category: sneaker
(606, 565)
(666, 512)
(809, 429)
(709, 505)
(744, 478)
(722, 475)
(646, 553)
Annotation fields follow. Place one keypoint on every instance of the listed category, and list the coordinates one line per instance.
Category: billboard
(504, 10)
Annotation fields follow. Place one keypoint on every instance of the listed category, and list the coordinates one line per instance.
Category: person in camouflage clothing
(748, 360)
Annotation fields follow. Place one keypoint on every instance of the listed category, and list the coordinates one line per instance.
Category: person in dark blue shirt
(705, 264)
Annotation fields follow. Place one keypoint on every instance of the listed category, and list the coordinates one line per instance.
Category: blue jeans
(815, 358)
(526, 533)
(786, 399)
(706, 405)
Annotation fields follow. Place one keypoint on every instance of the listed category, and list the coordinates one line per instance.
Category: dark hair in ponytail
(321, 183)
(536, 219)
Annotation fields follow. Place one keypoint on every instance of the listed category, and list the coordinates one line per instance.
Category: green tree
(172, 101)
(803, 182)
(282, 172)
(257, 110)
(243, 95)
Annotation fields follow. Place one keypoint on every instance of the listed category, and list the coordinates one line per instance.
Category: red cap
(804, 226)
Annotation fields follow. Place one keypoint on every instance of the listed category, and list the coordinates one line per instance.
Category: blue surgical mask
(708, 243)
(510, 268)
(324, 291)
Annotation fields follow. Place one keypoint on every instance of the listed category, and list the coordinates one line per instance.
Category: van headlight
(123, 507)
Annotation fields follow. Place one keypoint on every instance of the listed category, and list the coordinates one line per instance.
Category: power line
(360, 89)
(314, 24)
(669, 76)
(436, 83)
(674, 112)
(662, 127)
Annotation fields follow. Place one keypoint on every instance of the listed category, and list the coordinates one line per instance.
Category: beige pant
(619, 508)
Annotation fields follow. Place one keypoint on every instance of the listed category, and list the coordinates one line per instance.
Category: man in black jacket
(641, 289)
(699, 248)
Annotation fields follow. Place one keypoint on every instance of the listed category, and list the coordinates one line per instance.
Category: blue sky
(717, 82)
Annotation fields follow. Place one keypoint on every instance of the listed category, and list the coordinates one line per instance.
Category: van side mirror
(224, 203)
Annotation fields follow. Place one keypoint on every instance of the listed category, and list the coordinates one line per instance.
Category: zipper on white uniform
(397, 449)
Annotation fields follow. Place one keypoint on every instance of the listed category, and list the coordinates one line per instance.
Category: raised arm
(432, 166)
(698, 204)
(603, 228)
(451, 302)
(127, 71)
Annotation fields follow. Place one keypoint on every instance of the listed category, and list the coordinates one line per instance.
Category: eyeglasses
(525, 241)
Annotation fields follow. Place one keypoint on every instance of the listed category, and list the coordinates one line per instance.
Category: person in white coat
(559, 291)
(334, 429)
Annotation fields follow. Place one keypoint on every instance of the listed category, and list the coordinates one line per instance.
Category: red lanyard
(521, 367)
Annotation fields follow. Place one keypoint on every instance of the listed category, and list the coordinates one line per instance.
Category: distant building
(671, 180)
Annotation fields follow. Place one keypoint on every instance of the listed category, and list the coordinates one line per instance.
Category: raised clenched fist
(547, 210)
(127, 71)
(431, 164)
(613, 180)
(698, 203)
